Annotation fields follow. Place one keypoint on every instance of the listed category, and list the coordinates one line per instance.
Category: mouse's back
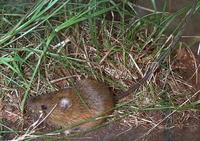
(96, 94)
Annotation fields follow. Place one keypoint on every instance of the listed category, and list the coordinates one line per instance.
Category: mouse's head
(59, 101)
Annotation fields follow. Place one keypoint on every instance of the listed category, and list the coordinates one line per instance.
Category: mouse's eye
(43, 107)
(65, 103)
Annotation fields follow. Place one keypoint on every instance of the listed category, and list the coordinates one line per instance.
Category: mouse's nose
(30, 104)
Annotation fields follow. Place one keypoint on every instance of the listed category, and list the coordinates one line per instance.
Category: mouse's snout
(32, 104)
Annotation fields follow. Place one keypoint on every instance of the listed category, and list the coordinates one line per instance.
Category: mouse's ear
(64, 103)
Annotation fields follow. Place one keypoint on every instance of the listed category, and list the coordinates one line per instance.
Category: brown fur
(89, 99)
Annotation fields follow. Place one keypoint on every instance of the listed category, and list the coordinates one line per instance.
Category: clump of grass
(45, 45)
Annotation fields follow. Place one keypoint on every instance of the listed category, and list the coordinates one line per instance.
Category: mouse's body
(88, 99)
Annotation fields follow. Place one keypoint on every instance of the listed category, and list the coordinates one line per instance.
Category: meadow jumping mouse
(87, 99)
